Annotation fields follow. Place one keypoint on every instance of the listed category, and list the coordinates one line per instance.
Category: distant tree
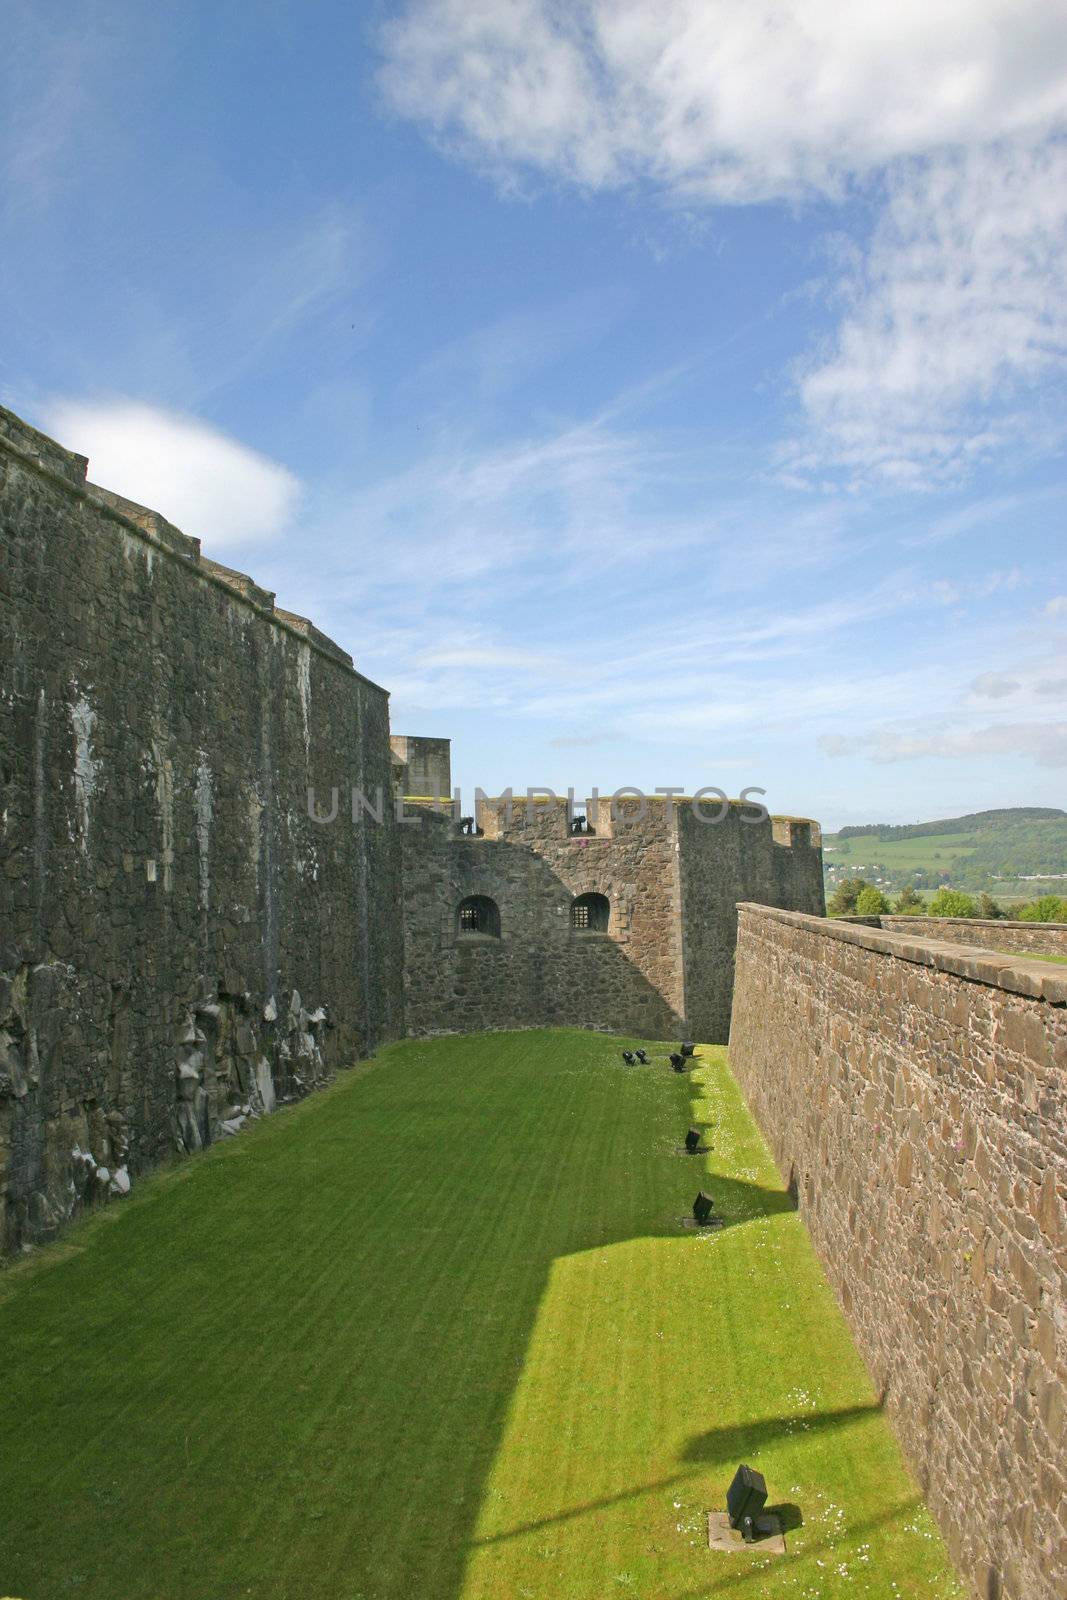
(1050, 908)
(909, 904)
(871, 902)
(951, 903)
(843, 900)
(989, 908)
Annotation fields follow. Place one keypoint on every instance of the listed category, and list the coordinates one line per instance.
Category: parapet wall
(664, 964)
(540, 972)
(1043, 938)
(776, 861)
(179, 944)
(914, 1092)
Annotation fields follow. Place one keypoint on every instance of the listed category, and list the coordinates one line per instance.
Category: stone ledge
(67, 471)
(1017, 975)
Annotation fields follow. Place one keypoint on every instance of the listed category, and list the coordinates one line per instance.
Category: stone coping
(1013, 973)
(67, 471)
(898, 918)
(519, 798)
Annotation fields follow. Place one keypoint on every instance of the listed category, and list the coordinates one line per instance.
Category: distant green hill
(1020, 851)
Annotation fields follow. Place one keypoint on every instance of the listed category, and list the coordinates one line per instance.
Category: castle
(186, 938)
(185, 942)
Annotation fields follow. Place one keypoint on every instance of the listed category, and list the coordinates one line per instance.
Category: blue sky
(647, 394)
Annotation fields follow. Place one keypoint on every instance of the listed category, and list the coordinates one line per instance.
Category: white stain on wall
(203, 799)
(303, 678)
(163, 768)
(86, 766)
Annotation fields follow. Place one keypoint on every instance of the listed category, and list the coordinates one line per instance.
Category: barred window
(479, 915)
(590, 913)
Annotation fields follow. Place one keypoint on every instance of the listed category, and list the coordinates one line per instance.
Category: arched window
(478, 914)
(590, 913)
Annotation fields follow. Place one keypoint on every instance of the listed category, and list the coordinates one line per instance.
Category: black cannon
(745, 1499)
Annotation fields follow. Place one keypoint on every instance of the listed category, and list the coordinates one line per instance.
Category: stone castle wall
(915, 1094)
(179, 943)
(1043, 938)
(665, 964)
(540, 972)
(775, 861)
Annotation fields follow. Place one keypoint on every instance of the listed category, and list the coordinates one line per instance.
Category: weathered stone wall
(425, 765)
(540, 972)
(915, 1093)
(775, 861)
(664, 966)
(1044, 938)
(179, 943)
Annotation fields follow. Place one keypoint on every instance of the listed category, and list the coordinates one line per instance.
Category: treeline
(1018, 851)
(975, 820)
(856, 897)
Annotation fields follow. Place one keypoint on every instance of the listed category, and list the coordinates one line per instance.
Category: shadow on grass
(735, 1582)
(330, 1314)
(739, 1201)
(721, 1446)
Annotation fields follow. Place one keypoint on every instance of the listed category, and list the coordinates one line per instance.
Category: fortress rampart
(914, 1094)
(1041, 938)
(669, 880)
(179, 943)
(182, 944)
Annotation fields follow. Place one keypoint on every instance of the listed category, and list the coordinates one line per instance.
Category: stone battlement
(68, 471)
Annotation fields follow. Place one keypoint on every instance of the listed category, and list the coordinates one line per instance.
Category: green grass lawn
(1034, 955)
(902, 855)
(437, 1333)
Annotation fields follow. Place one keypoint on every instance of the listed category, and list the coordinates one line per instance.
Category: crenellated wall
(180, 945)
(774, 860)
(665, 963)
(914, 1093)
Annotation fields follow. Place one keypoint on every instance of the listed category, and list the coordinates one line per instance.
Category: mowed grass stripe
(436, 1332)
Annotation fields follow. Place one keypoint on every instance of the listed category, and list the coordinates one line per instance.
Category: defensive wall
(661, 964)
(182, 943)
(1042, 938)
(914, 1093)
(179, 943)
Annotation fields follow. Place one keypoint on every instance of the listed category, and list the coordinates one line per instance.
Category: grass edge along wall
(914, 1094)
(439, 1331)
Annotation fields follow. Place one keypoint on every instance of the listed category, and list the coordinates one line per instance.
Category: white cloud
(1057, 606)
(959, 305)
(740, 100)
(1044, 743)
(584, 741)
(204, 482)
(994, 685)
(479, 656)
(958, 311)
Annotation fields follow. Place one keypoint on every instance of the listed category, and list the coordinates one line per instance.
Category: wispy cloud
(206, 483)
(994, 686)
(584, 741)
(958, 310)
(736, 102)
(51, 68)
(508, 352)
(956, 307)
(1044, 743)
